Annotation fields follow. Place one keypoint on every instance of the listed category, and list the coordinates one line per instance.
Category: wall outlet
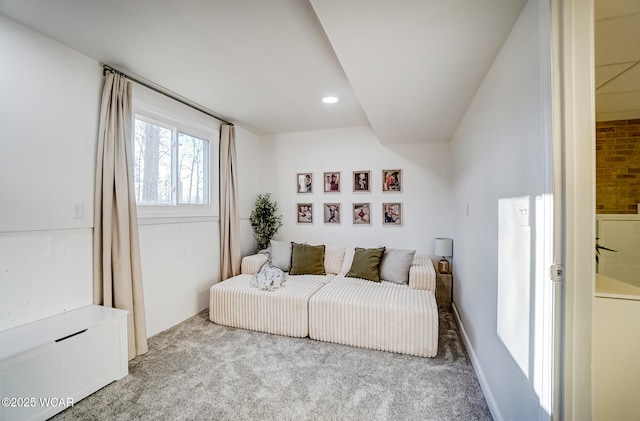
(78, 210)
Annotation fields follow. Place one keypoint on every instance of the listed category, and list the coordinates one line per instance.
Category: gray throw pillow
(281, 255)
(395, 265)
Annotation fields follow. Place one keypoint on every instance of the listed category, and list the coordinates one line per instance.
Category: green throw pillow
(306, 259)
(366, 264)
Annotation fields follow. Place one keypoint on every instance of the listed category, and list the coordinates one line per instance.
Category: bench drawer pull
(70, 336)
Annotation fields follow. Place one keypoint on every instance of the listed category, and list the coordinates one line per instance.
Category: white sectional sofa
(337, 307)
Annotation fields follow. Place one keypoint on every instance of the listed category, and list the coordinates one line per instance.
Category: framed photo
(392, 214)
(304, 182)
(331, 182)
(305, 213)
(391, 180)
(362, 214)
(332, 213)
(361, 181)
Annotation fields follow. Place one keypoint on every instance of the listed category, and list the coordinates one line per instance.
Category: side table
(444, 285)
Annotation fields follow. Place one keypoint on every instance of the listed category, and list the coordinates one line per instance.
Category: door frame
(573, 103)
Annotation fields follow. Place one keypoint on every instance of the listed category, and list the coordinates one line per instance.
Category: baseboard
(486, 390)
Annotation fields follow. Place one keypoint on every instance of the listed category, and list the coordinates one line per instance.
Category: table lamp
(443, 247)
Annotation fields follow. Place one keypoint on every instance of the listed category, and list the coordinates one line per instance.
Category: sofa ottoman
(283, 311)
(381, 316)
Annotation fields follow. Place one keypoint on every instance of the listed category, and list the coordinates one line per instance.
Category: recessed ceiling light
(330, 99)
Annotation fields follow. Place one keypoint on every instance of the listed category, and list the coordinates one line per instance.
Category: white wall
(499, 153)
(180, 262)
(250, 169)
(49, 113)
(425, 192)
(49, 101)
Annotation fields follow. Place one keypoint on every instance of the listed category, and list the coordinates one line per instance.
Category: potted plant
(598, 248)
(264, 220)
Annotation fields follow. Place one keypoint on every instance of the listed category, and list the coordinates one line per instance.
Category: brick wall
(617, 166)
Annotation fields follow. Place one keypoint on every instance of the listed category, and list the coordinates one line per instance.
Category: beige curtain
(117, 275)
(229, 225)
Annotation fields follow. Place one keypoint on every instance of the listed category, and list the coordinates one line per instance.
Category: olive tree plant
(265, 220)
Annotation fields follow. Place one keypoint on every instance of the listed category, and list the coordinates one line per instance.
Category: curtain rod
(163, 91)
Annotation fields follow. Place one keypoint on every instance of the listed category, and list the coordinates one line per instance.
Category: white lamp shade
(443, 247)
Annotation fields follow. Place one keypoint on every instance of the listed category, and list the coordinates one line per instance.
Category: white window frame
(181, 212)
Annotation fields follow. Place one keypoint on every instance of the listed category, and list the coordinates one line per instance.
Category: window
(172, 168)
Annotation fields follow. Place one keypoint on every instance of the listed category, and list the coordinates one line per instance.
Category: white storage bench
(47, 365)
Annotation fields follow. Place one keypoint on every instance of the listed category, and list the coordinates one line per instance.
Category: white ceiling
(416, 65)
(409, 68)
(617, 59)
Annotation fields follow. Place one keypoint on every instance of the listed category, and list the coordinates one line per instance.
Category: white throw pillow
(333, 259)
(281, 255)
(395, 265)
(348, 260)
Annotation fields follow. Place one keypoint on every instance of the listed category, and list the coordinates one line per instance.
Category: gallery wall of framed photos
(360, 212)
(421, 203)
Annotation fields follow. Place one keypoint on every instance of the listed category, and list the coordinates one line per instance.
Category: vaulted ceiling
(409, 68)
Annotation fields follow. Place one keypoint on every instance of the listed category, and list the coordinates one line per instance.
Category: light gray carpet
(198, 370)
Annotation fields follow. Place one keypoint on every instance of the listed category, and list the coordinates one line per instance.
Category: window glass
(193, 186)
(152, 164)
(172, 167)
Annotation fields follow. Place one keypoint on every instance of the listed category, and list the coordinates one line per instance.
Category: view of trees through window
(152, 172)
(171, 167)
(191, 172)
